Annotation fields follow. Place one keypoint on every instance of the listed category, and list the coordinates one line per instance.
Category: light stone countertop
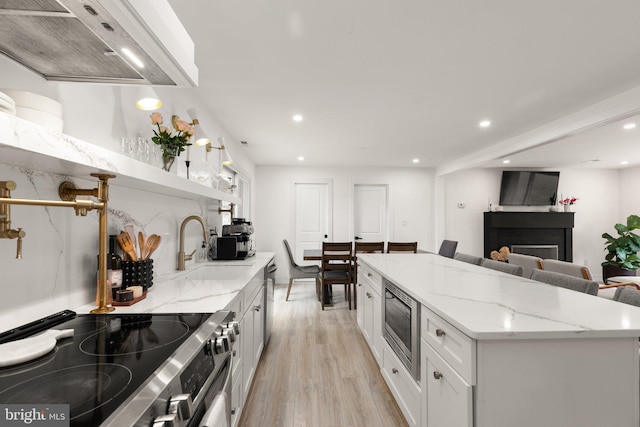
(201, 288)
(487, 304)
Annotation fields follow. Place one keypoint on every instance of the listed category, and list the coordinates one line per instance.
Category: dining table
(312, 254)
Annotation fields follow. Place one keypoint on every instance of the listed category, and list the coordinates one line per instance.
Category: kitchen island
(499, 350)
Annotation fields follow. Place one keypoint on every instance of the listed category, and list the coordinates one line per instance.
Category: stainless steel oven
(402, 326)
(129, 369)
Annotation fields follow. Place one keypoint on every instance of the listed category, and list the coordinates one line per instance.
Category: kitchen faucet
(67, 192)
(181, 256)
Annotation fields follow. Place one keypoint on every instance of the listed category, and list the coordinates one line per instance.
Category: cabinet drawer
(455, 347)
(402, 385)
(251, 289)
(367, 275)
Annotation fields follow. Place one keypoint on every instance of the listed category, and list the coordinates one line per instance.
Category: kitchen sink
(218, 272)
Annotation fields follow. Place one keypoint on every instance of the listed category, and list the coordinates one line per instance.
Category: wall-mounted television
(529, 188)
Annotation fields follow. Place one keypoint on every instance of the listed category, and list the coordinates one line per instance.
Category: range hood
(83, 41)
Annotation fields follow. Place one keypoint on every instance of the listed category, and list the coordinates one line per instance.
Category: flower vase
(167, 162)
(567, 208)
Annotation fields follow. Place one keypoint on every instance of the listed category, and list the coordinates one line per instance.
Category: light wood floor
(317, 370)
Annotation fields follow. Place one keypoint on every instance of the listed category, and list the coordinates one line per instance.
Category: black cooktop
(96, 370)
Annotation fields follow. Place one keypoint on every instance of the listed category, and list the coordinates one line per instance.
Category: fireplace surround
(529, 228)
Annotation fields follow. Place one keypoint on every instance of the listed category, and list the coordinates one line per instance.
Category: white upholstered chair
(528, 263)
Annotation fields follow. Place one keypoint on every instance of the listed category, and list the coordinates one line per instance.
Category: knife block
(137, 273)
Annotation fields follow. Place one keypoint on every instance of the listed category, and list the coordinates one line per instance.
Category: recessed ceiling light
(505, 161)
(416, 160)
(629, 126)
(300, 158)
(297, 118)
(624, 162)
(485, 124)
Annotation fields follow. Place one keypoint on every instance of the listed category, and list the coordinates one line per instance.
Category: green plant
(623, 250)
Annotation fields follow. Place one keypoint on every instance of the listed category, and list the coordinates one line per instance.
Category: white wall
(410, 203)
(598, 208)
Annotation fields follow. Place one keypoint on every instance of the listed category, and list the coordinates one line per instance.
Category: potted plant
(172, 144)
(622, 251)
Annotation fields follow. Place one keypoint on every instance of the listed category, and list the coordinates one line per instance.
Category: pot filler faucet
(67, 192)
(181, 256)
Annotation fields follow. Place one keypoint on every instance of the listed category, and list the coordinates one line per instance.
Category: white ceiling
(381, 82)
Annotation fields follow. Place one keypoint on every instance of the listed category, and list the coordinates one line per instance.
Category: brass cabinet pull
(394, 370)
(440, 333)
(437, 375)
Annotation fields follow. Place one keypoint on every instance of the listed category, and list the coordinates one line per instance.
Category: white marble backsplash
(58, 265)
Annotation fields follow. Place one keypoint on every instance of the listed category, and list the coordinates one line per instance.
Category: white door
(370, 212)
(312, 217)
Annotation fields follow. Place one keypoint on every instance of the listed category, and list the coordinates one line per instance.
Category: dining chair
(566, 281)
(516, 270)
(448, 248)
(528, 263)
(564, 267)
(469, 259)
(402, 247)
(627, 295)
(300, 271)
(336, 269)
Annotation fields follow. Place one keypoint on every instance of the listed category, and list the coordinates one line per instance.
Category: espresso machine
(242, 231)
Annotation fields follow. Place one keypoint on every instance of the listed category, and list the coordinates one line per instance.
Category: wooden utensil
(152, 244)
(124, 240)
(132, 234)
(142, 244)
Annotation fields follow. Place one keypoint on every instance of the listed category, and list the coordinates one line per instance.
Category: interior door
(370, 212)
(311, 218)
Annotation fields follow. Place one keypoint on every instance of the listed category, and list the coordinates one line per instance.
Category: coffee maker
(241, 230)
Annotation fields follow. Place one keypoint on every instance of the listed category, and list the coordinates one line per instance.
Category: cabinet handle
(440, 333)
(369, 295)
(437, 375)
(360, 284)
(233, 411)
(257, 307)
(234, 353)
(369, 275)
(394, 370)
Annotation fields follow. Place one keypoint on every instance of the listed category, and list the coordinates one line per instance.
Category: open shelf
(28, 145)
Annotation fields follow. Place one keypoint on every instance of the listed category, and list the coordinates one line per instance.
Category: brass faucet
(181, 256)
(230, 210)
(67, 192)
(6, 187)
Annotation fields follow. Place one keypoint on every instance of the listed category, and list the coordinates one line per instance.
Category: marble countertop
(487, 304)
(202, 288)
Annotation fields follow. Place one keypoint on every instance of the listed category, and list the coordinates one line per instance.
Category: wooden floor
(317, 370)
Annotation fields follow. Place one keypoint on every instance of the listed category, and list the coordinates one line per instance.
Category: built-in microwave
(402, 326)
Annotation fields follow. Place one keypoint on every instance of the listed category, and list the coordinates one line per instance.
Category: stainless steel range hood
(83, 41)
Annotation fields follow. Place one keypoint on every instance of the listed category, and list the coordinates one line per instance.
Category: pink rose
(181, 125)
(191, 131)
(156, 118)
(164, 129)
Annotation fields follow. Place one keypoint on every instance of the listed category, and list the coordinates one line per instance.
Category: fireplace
(541, 251)
(544, 229)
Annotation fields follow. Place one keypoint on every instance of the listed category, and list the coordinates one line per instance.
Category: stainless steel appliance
(402, 326)
(129, 369)
(242, 230)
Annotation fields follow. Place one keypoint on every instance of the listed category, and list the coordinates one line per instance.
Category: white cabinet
(446, 396)
(404, 388)
(253, 329)
(370, 309)
(248, 306)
